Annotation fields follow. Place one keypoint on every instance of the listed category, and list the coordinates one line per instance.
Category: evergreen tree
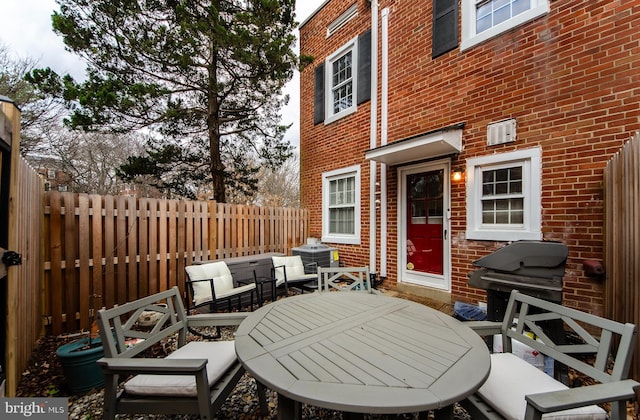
(206, 75)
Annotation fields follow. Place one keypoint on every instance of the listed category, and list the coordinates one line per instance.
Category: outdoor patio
(44, 377)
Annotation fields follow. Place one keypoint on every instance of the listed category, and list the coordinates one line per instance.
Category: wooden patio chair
(195, 379)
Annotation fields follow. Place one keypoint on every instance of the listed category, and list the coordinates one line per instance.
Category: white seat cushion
(512, 378)
(220, 355)
(294, 268)
(222, 280)
(293, 265)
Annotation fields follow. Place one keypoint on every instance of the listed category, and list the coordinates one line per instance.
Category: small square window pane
(520, 6)
(502, 174)
(502, 204)
(517, 217)
(488, 218)
(483, 24)
(501, 188)
(515, 187)
(501, 15)
(502, 217)
(484, 9)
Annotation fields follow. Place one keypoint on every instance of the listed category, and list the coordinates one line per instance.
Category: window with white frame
(503, 196)
(341, 206)
(484, 19)
(341, 82)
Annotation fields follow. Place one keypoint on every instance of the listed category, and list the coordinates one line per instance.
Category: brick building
(524, 101)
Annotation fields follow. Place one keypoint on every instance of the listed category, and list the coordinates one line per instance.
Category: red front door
(425, 222)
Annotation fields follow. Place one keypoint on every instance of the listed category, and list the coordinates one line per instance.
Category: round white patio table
(361, 353)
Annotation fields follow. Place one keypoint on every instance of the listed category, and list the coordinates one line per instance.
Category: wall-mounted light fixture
(457, 174)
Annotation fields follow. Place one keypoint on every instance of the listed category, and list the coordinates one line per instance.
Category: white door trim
(441, 282)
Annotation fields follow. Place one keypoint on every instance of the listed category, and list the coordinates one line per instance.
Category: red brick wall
(571, 79)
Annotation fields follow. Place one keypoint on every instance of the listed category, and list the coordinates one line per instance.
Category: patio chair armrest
(582, 396)
(199, 280)
(216, 319)
(152, 366)
(275, 268)
(485, 328)
(313, 266)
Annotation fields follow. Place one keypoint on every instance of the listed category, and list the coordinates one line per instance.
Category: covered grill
(532, 267)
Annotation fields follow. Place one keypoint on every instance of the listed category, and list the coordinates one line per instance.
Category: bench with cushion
(517, 390)
(210, 283)
(194, 379)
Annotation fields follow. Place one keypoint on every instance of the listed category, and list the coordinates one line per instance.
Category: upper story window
(503, 196)
(343, 81)
(484, 19)
(341, 206)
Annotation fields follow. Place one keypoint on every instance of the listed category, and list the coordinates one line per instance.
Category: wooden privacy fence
(24, 288)
(21, 285)
(106, 250)
(622, 238)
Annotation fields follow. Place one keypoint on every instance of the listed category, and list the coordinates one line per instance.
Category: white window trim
(328, 82)
(469, 36)
(532, 189)
(326, 178)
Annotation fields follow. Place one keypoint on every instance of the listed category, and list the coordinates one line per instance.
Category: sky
(25, 29)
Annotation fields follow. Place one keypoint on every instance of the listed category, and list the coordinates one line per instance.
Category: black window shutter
(318, 95)
(445, 26)
(364, 67)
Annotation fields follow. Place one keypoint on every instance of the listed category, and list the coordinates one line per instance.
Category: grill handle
(517, 284)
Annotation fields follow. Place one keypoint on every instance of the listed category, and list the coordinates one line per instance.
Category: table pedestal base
(288, 409)
(445, 413)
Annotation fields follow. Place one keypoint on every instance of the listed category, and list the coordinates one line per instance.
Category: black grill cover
(533, 267)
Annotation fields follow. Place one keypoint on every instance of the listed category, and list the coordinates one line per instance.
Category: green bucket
(79, 365)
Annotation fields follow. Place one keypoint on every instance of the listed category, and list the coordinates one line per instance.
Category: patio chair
(209, 284)
(290, 271)
(196, 378)
(344, 279)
